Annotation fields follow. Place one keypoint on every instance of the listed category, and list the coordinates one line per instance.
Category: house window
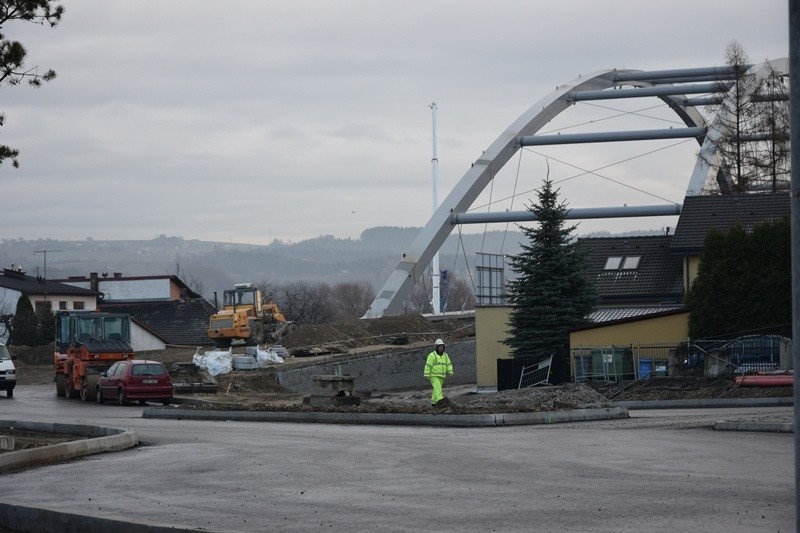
(631, 262)
(43, 308)
(77, 306)
(62, 305)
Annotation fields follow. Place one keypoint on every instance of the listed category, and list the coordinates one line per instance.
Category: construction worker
(437, 367)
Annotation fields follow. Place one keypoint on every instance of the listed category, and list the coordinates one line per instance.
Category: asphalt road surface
(658, 471)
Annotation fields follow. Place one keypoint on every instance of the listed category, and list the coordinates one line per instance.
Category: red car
(135, 380)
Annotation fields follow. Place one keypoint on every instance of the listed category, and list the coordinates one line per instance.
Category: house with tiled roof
(180, 322)
(667, 321)
(45, 295)
(164, 305)
(701, 214)
(641, 281)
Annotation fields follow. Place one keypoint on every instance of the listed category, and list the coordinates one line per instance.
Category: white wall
(143, 340)
(134, 289)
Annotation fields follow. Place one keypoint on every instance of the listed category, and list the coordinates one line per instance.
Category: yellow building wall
(491, 327)
(658, 330)
(690, 266)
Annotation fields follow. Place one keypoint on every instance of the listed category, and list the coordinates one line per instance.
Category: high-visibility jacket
(438, 366)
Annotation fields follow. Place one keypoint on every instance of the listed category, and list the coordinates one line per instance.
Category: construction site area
(389, 348)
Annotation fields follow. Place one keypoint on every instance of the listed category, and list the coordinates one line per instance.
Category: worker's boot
(444, 402)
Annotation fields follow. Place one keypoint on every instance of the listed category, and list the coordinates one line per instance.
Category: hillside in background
(218, 265)
(214, 266)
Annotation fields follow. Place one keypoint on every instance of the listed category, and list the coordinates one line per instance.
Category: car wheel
(98, 396)
(121, 397)
(10, 393)
(142, 402)
(60, 385)
(165, 402)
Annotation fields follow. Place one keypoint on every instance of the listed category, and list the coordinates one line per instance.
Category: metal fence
(740, 355)
(614, 362)
(537, 374)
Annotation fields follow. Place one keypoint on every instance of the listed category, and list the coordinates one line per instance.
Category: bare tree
(192, 280)
(351, 299)
(269, 291)
(306, 303)
(419, 301)
(460, 296)
(772, 151)
(752, 125)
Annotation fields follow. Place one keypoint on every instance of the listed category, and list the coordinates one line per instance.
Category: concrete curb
(23, 518)
(725, 425)
(98, 440)
(745, 425)
(396, 419)
(707, 403)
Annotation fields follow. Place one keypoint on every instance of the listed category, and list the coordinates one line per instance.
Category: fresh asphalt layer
(99, 440)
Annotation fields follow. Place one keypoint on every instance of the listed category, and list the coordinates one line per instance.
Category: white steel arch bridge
(682, 90)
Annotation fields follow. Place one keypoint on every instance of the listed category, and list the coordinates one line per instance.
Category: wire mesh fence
(702, 357)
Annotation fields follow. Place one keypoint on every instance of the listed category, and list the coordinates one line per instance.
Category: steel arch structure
(671, 86)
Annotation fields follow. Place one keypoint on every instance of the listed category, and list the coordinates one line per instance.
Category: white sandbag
(215, 362)
(268, 357)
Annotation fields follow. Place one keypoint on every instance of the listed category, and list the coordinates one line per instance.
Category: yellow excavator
(245, 317)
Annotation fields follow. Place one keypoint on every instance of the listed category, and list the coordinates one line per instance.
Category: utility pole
(435, 261)
(44, 253)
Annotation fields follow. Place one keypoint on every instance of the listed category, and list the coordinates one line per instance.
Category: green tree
(743, 282)
(13, 70)
(25, 326)
(551, 293)
(47, 327)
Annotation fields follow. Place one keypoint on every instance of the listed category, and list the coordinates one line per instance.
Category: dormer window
(630, 262)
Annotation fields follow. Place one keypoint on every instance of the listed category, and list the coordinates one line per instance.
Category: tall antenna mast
(435, 175)
(44, 276)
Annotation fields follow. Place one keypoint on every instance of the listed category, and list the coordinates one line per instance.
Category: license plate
(149, 381)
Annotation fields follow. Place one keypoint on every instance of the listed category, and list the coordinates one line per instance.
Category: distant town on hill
(215, 266)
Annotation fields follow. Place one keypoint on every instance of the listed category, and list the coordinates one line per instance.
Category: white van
(8, 374)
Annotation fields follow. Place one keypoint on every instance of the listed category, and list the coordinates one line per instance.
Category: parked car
(8, 374)
(135, 380)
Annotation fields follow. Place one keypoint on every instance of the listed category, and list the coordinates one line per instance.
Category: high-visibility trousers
(436, 383)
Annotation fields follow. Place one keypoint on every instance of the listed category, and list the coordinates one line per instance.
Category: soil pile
(392, 330)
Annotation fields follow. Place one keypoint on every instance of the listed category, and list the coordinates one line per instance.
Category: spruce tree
(25, 326)
(551, 293)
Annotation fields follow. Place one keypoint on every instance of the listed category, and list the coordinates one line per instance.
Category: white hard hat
(438, 342)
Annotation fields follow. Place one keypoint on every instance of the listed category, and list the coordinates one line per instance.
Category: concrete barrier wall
(396, 370)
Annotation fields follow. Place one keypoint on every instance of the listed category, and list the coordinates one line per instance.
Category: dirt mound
(34, 355)
(399, 329)
(685, 388)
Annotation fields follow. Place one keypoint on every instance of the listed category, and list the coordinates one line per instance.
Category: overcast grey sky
(250, 121)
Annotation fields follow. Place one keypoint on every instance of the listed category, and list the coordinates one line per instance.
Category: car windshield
(4, 353)
(148, 369)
